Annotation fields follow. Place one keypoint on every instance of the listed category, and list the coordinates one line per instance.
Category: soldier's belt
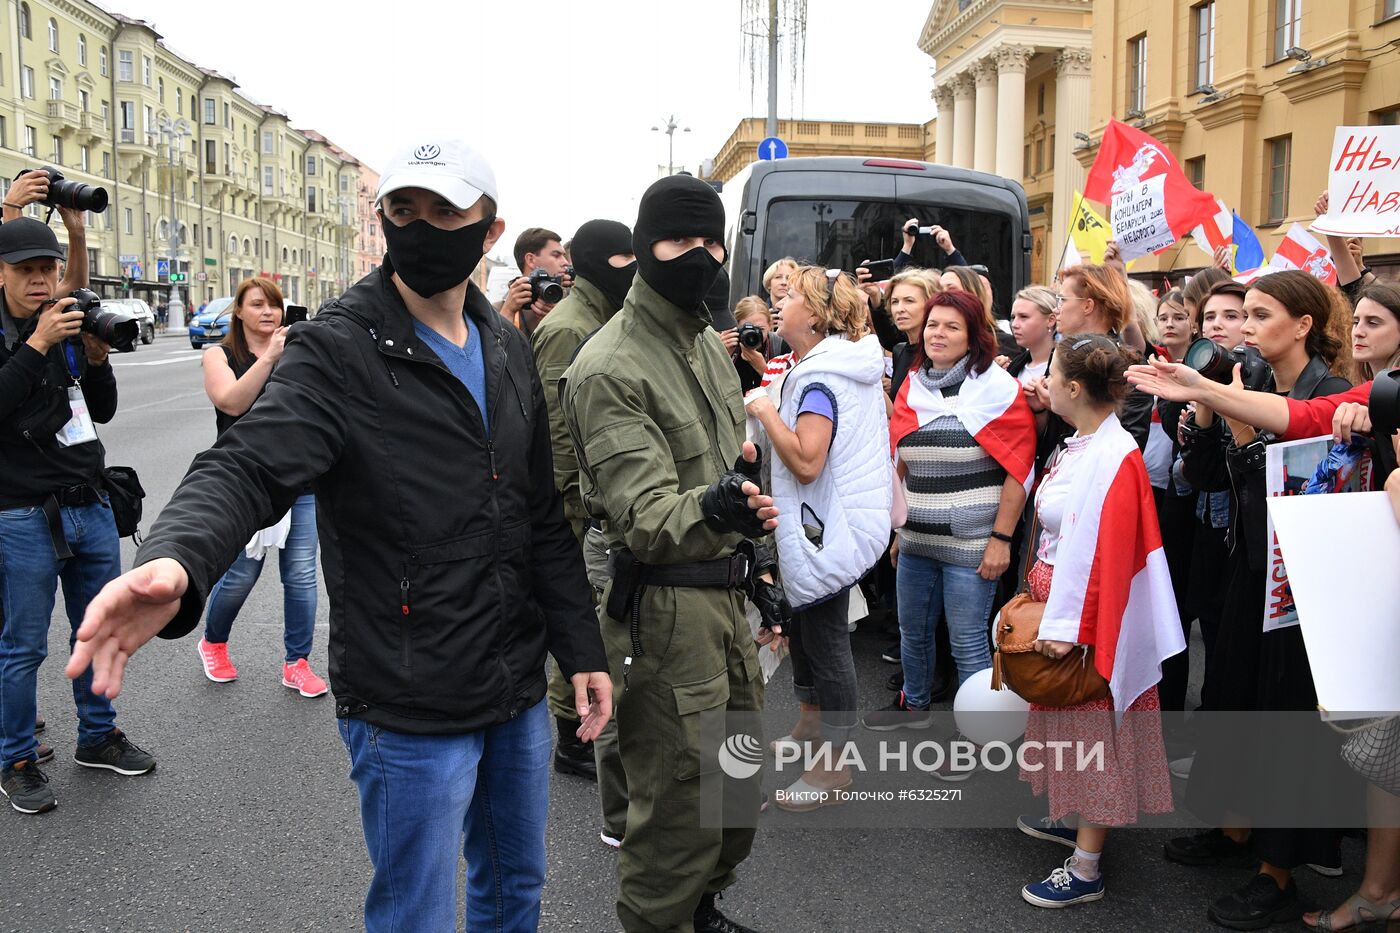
(726, 573)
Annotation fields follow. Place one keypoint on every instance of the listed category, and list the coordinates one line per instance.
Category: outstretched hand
(1175, 382)
(127, 613)
(592, 702)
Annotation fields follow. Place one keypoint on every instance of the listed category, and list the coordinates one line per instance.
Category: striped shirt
(953, 489)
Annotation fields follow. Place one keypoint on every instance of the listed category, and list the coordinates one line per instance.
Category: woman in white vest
(825, 425)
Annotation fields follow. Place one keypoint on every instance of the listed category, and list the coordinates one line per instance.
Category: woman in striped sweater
(960, 423)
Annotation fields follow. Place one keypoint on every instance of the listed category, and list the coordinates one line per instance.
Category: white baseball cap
(448, 167)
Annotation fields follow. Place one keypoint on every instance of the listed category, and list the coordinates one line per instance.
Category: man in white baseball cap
(415, 411)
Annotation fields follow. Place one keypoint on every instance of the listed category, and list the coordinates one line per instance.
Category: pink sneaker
(217, 666)
(302, 679)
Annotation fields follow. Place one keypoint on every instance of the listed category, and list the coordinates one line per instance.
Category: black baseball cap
(26, 238)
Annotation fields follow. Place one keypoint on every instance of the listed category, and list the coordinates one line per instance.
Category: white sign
(1363, 183)
(1350, 619)
(1139, 218)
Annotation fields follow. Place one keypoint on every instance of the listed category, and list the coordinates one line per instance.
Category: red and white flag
(1301, 250)
(1111, 587)
(1216, 232)
(990, 406)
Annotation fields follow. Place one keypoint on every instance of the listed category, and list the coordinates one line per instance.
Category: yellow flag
(1089, 230)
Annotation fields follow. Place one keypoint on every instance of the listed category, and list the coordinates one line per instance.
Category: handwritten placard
(1363, 183)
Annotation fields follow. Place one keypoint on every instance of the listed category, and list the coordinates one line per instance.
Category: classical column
(963, 127)
(1071, 116)
(943, 145)
(984, 148)
(1011, 108)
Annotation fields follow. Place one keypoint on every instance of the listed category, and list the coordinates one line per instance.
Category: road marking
(185, 358)
(160, 402)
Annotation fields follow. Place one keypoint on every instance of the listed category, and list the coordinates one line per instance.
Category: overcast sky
(560, 96)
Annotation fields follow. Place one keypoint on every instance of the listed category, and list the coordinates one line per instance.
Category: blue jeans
(298, 566)
(420, 794)
(926, 588)
(29, 576)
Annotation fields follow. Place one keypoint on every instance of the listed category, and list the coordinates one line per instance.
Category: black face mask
(679, 206)
(431, 260)
(593, 243)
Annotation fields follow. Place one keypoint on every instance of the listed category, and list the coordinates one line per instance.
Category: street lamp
(174, 135)
(670, 131)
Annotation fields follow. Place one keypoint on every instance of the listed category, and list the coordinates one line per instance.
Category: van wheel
(148, 334)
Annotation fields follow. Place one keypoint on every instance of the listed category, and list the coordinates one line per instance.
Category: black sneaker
(39, 724)
(27, 787)
(115, 753)
(891, 654)
(896, 682)
(1211, 847)
(43, 755)
(708, 919)
(898, 715)
(1258, 904)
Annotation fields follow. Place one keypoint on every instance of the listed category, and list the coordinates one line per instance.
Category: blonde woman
(775, 279)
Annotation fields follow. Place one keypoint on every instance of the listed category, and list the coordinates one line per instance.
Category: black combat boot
(708, 919)
(572, 756)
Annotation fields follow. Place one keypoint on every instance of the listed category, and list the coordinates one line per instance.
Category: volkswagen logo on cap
(424, 153)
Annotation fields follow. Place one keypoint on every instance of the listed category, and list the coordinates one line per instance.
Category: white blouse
(1054, 492)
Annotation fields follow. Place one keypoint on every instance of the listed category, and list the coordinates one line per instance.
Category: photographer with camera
(545, 273)
(56, 522)
(750, 341)
(33, 187)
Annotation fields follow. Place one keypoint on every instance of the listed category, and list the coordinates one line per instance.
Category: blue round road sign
(772, 148)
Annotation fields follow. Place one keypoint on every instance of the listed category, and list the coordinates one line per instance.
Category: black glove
(725, 506)
(772, 606)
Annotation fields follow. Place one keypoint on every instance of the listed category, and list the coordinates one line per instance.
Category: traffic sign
(202, 276)
(162, 268)
(772, 148)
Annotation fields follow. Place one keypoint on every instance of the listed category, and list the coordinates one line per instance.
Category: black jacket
(34, 407)
(448, 561)
(1211, 461)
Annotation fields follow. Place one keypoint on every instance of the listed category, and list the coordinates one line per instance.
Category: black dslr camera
(71, 194)
(117, 329)
(752, 336)
(546, 287)
(1384, 404)
(1218, 364)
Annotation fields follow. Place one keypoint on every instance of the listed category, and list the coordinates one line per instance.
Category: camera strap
(79, 429)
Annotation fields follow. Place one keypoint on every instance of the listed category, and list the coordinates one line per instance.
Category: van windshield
(841, 234)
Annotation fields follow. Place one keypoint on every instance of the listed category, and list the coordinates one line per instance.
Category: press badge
(79, 429)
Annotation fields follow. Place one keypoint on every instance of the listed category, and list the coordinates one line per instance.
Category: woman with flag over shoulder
(1103, 577)
(964, 437)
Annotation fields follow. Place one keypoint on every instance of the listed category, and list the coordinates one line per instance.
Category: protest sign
(1363, 183)
(1302, 468)
(1139, 218)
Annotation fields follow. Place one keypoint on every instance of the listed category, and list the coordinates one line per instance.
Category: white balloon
(986, 715)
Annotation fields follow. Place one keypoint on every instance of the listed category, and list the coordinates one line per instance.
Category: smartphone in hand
(880, 270)
(294, 314)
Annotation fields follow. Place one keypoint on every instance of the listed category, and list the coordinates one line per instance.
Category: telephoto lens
(118, 329)
(73, 194)
(545, 287)
(1384, 404)
(1210, 359)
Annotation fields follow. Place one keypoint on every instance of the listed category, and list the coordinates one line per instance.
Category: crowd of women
(917, 439)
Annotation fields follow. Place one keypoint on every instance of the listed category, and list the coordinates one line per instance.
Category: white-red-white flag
(1301, 250)
(1112, 589)
(1216, 232)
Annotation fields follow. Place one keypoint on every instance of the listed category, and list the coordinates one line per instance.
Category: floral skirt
(1132, 777)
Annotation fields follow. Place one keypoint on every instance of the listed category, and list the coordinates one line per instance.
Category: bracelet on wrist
(1006, 539)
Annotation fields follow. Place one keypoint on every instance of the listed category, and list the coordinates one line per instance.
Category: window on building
(4, 135)
(160, 89)
(106, 111)
(128, 120)
(102, 60)
(146, 70)
(126, 67)
(55, 88)
(228, 159)
(1391, 8)
(1137, 74)
(311, 199)
(1039, 156)
(94, 259)
(228, 118)
(84, 101)
(267, 142)
(26, 81)
(150, 124)
(210, 111)
(1196, 171)
(53, 35)
(267, 179)
(127, 221)
(311, 165)
(1288, 26)
(56, 152)
(31, 141)
(210, 157)
(1389, 117)
(208, 237)
(85, 159)
(106, 165)
(24, 29)
(1280, 162)
(1203, 44)
(82, 50)
(1040, 100)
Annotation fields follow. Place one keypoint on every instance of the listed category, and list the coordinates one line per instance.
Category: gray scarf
(944, 378)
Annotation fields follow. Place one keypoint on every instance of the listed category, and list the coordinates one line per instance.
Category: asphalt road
(250, 822)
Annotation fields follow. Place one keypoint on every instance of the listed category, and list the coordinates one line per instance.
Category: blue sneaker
(1063, 889)
(1042, 827)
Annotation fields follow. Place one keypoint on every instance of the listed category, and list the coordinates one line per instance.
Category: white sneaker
(1181, 767)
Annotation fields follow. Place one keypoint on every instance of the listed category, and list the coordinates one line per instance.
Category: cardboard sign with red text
(1363, 183)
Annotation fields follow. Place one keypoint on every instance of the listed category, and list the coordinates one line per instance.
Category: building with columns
(1012, 85)
(818, 138)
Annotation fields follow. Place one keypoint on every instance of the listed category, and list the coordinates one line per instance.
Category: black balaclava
(679, 206)
(717, 301)
(590, 248)
(431, 260)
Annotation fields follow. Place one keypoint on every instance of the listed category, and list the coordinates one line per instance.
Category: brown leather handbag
(1067, 681)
